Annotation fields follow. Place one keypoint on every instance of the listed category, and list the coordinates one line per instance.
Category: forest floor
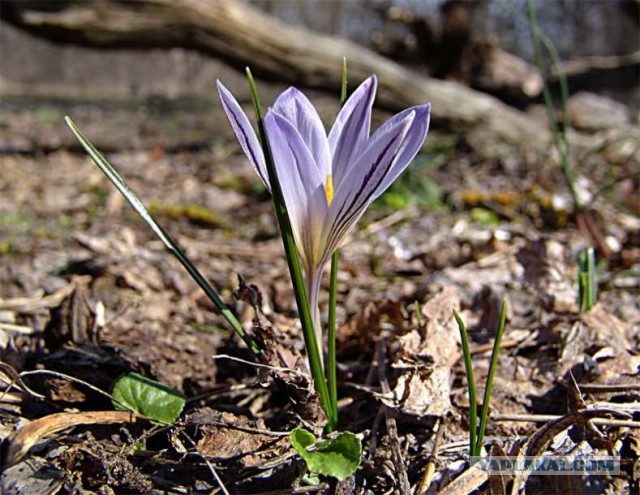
(87, 293)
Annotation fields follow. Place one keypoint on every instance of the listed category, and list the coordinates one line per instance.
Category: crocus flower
(328, 180)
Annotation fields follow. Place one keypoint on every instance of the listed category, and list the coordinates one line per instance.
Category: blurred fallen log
(507, 77)
(602, 72)
(514, 80)
(452, 50)
(591, 112)
(243, 36)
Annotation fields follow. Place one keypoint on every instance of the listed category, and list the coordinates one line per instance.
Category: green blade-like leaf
(170, 244)
(332, 376)
(587, 284)
(471, 384)
(338, 457)
(493, 366)
(148, 397)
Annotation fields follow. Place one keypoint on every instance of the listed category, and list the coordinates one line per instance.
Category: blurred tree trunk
(243, 36)
(631, 8)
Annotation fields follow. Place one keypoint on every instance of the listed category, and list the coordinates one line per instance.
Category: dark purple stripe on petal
(244, 142)
(411, 144)
(353, 207)
(244, 132)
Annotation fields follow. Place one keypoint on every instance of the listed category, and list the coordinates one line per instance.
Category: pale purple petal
(301, 183)
(413, 141)
(351, 129)
(244, 132)
(298, 110)
(363, 179)
(313, 280)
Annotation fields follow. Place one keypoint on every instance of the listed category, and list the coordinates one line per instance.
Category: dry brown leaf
(499, 482)
(441, 337)
(467, 482)
(538, 443)
(19, 442)
(225, 436)
(600, 336)
(424, 393)
(34, 304)
(424, 358)
(545, 268)
(605, 328)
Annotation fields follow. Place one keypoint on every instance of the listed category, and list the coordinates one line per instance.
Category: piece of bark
(243, 36)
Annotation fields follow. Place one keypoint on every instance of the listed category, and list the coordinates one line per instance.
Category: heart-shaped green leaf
(338, 457)
(148, 397)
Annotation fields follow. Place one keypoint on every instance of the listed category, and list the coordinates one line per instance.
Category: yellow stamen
(328, 189)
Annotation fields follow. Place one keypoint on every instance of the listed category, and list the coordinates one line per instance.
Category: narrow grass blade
(332, 364)
(493, 365)
(471, 383)
(170, 244)
(560, 137)
(587, 285)
(593, 283)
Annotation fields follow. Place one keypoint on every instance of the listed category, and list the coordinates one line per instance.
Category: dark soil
(87, 293)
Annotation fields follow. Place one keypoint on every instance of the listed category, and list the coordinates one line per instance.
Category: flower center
(328, 189)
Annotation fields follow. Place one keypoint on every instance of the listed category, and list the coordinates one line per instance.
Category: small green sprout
(587, 284)
(476, 431)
